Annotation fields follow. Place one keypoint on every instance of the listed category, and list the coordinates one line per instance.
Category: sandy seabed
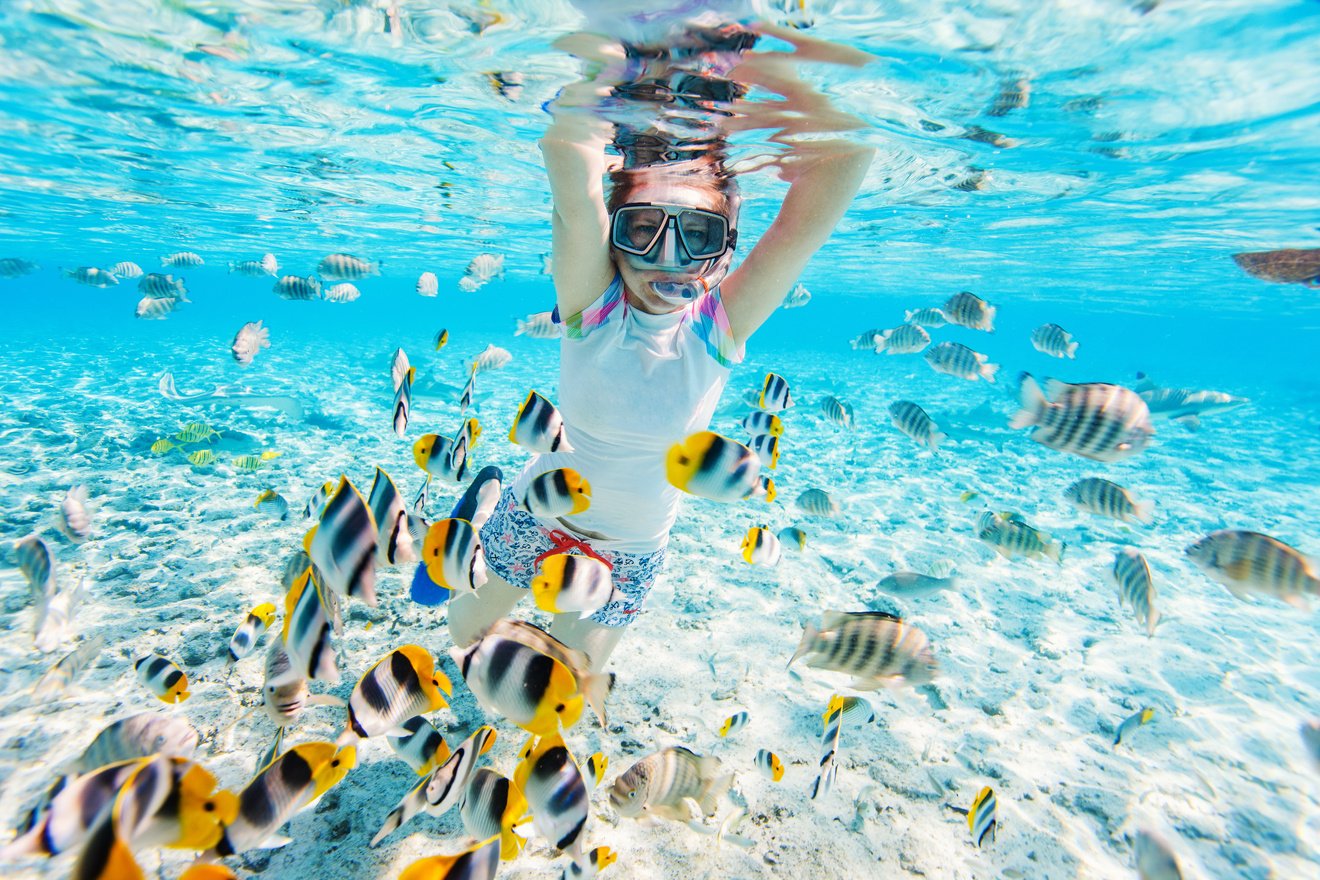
(1039, 662)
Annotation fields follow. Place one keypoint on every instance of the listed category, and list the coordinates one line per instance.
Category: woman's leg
(471, 613)
(595, 639)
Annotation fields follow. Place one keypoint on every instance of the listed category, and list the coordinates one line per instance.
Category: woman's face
(638, 281)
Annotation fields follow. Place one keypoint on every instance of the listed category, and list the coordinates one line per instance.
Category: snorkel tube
(712, 273)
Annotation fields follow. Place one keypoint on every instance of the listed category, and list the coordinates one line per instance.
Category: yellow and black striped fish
(166, 681)
(478, 862)
(555, 790)
(283, 787)
(400, 685)
(343, 545)
(712, 466)
(775, 394)
(453, 555)
(394, 542)
(420, 745)
(258, 620)
(491, 806)
(538, 426)
(560, 492)
(829, 747)
(573, 583)
(306, 634)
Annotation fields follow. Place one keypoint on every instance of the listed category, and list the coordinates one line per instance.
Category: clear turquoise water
(1154, 146)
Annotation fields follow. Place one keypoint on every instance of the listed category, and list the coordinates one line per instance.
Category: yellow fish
(162, 446)
(201, 457)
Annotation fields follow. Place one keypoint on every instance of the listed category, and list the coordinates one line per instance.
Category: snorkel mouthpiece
(678, 292)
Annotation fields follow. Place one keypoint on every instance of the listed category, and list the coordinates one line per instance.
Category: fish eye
(632, 795)
(209, 807)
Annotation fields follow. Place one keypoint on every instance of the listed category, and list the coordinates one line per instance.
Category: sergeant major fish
(126, 269)
(874, 647)
(817, 502)
(74, 521)
(1104, 498)
(92, 276)
(955, 359)
(837, 412)
(492, 357)
(428, 284)
(913, 421)
(343, 292)
(1094, 420)
(969, 310)
(1053, 340)
(138, 736)
(267, 265)
(1010, 535)
(932, 318)
(906, 339)
(1250, 563)
(181, 260)
(538, 326)
(297, 288)
(346, 267)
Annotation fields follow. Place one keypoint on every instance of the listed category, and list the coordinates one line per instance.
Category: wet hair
(705, 171)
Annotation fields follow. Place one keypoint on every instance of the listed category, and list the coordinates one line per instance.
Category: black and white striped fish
(403, 402)
(662, 783)
(1131, 574)
(913, 421)
(865, 341)
(955, 359)
(306, 635)
(1250, 563)
(775, 393)
(469, 391)
(159, 286)
(163, 677)
(420, 745)
(1010, 536)
(72, 809)
(766, 447)
(759, 422)
(904, 339)
(874, 647)
(1053, 340)
(560, 492)
(837, 412)
(829, 747)
(402, 684)
(966, 309)
(556, 792)
(1094, 420)
(1104, 498)
(316, 504)
(245, 638)
(267, 265)
(443, 789)
(491, 806)
(283, 787)
(981, 819)
(137, 736)
(343, 545)
(181, 260)
(713, 466)
(298, 288)
(933, 318)
(394, 543)
(346, 267)
(538, 426)
(817, 502)
(125, 269)
(454, 556)
(769, 765)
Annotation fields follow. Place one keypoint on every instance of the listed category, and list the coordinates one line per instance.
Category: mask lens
(703, 233)
(637, 229)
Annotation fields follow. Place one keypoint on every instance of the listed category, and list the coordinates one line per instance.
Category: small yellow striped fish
(163, 445)
(201, 458)
(196, 432)
(248, 462)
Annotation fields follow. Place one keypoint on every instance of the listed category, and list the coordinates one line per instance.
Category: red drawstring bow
(562, 542)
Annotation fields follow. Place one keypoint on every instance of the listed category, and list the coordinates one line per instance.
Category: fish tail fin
(804, 646)
(936, 438)
(596, 688)
(1144, 512)
(1071, 350)
(988, 372)
(711, 792)
(1055, 551)
(880, 341)
(1151, 622)
(1032, 400)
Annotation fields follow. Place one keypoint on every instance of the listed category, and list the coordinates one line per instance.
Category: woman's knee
(470, 614)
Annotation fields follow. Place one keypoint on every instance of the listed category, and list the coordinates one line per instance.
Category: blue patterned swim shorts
(513, 539)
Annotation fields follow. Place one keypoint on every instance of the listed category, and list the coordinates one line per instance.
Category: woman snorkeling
(654, 315)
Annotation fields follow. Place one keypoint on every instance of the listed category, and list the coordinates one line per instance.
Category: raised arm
(574, 150)
(824, 176)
